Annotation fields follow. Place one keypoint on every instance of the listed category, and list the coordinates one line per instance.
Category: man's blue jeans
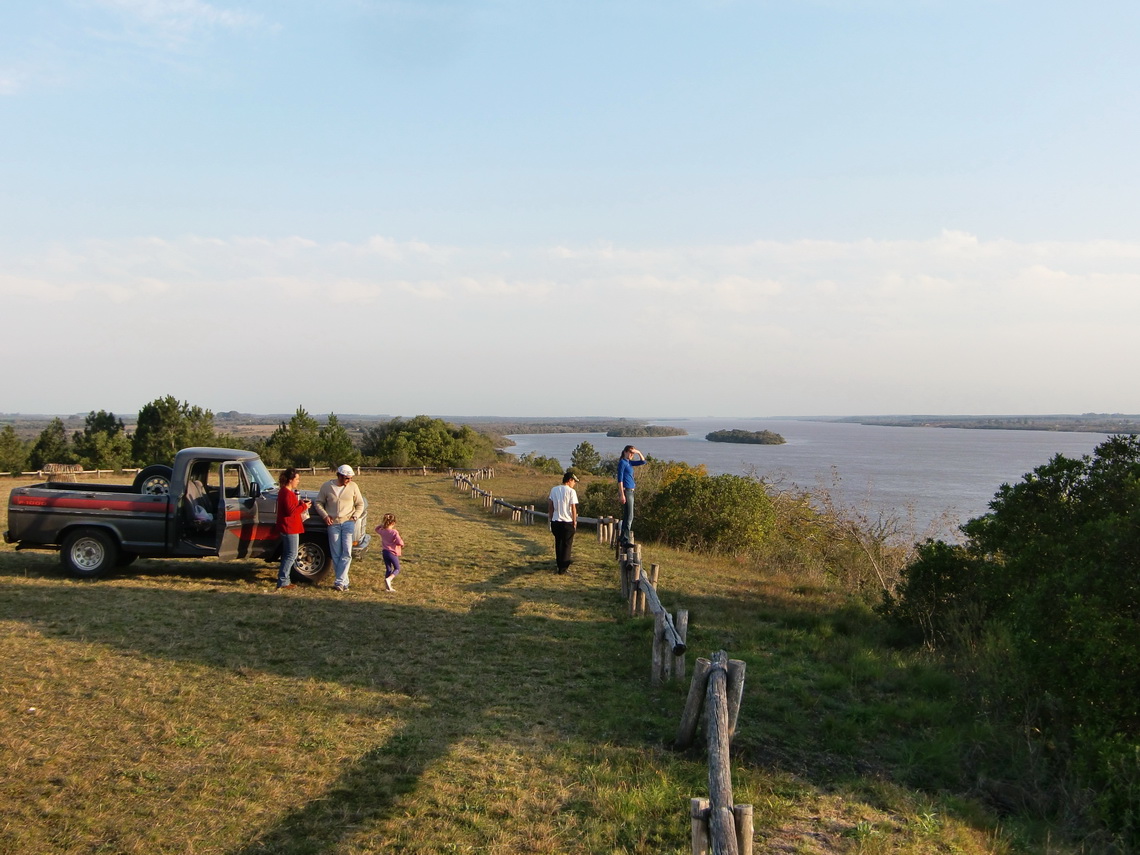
(340, 549)
(627, 515)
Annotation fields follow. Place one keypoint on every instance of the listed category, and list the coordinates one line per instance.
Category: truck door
(237, 522)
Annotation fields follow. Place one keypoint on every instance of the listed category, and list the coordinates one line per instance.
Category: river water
(933, 479)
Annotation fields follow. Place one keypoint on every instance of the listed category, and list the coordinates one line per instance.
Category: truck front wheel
(154, 480)
(88, 553)
(313, 559)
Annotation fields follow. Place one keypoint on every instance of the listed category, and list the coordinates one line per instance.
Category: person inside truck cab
(199, 507)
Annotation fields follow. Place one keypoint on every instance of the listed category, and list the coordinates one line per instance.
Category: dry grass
(487, 706)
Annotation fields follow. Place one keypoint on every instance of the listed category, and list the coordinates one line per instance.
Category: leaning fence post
(658, 646)
(692, 712)
(736, 669)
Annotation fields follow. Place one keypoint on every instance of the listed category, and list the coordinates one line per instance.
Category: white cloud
(178, 15)
(952, 318)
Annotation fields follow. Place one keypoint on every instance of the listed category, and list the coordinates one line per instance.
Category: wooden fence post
(654, 571)
(682, 625)
(692, 712)
(742, 814)
(735, 689)
(658, 647)
(699, 814)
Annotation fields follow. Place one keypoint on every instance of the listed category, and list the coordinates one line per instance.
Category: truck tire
(154, 480)
(88, 552)
(313, 559)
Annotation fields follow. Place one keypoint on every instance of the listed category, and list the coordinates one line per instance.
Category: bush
(539, 463)
(1054, 567)
(725, 513)
(424, 441)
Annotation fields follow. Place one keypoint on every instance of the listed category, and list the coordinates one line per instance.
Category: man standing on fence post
(340, 504)
(562, 505)
(626, 485)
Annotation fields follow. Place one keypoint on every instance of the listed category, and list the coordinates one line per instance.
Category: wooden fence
(718, 826)
(68, 472)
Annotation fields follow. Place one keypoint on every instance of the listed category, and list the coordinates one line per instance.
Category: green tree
(296, 443)
(424, 441)
(1049, 582)
(13, 451)
(166, 425)
(585, 458)
(103, 443)
(52, 446)
(336, 445)
(540, 463)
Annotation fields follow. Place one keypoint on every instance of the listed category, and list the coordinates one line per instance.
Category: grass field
(487, 705)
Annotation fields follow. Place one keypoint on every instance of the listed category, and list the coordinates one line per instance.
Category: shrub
(540, 463)
(424, 441)
(1055, 568)
(726, 513)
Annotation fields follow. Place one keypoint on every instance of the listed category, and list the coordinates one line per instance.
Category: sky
(548, 208)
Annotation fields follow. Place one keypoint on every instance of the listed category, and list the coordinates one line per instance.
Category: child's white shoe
(388, 583)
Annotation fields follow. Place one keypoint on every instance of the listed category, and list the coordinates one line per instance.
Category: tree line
(166, 425)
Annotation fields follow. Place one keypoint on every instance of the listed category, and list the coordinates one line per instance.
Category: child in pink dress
(391, 546)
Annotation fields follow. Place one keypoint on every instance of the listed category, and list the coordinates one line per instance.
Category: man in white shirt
(340, 504)
(563, 509)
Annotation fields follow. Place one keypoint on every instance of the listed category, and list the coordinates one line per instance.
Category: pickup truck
(212, 502)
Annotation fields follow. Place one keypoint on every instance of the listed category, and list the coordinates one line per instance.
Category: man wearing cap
(340, 503)
(562, 505)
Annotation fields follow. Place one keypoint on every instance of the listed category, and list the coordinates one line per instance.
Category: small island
(647, 430)
(753, 437)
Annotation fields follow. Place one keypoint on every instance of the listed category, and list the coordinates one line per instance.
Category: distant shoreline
(1089, 423)
(255, 424)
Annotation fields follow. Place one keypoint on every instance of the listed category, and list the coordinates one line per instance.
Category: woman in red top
(290, 508)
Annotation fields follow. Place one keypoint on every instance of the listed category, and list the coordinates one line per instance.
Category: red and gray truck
(212, 502)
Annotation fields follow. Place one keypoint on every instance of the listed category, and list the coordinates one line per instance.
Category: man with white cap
(340, 504)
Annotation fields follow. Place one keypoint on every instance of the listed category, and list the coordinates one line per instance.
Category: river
(931, 478)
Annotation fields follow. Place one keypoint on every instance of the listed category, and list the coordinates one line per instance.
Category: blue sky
(776, 207)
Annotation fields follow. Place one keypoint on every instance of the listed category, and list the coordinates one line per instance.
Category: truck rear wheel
(154, 480)
(313, 559)
(88, 553)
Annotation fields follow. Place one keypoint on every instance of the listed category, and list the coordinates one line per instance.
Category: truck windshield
(259, 475)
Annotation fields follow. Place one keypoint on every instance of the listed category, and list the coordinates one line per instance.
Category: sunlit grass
(487, 705)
